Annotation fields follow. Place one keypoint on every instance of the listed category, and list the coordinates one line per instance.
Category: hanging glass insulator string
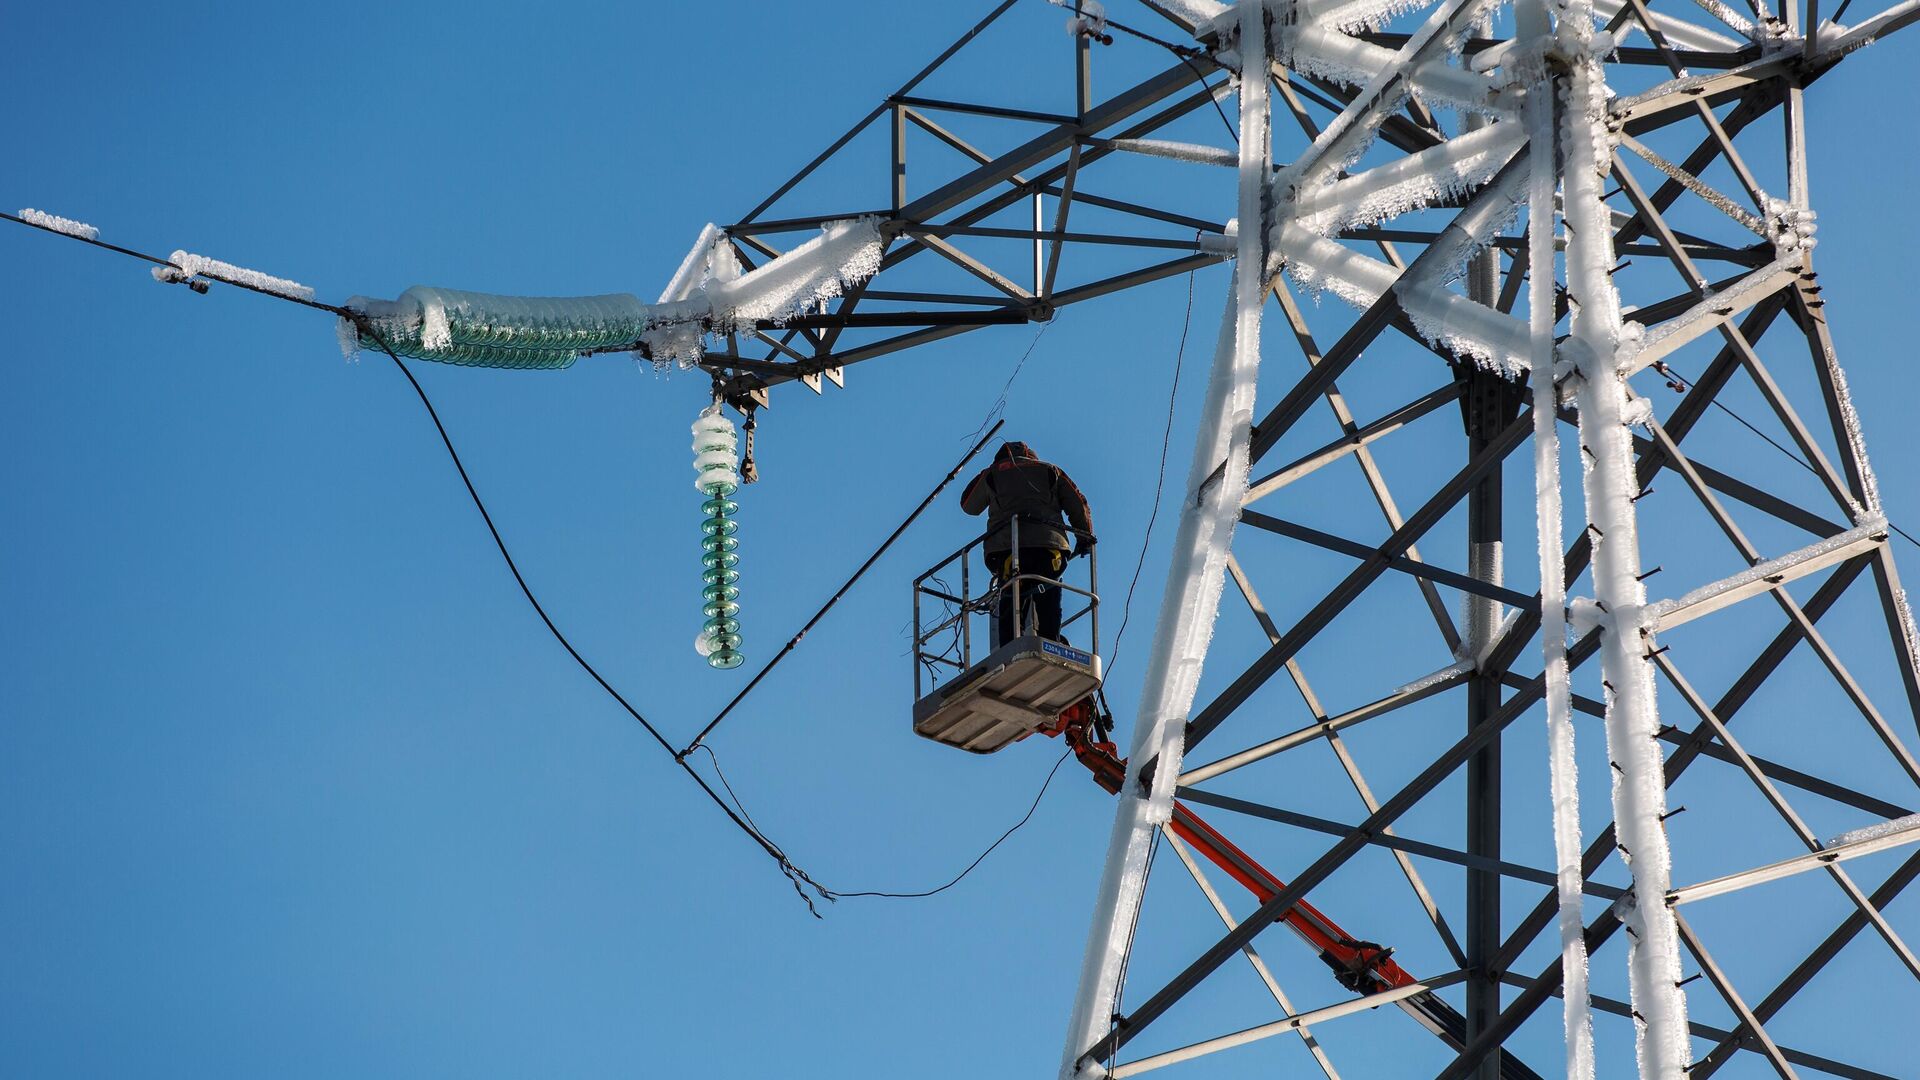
(717, 463)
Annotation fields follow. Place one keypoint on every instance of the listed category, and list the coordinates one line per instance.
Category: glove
(1082, 546)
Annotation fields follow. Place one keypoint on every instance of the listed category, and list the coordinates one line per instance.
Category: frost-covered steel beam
(1694, 747)
(1810, 312)
(1716, 312)
(1369, 468)
(1357, 123)
(1647, 110)
(1486, 205)
(1283, 1026)
(1890, 831)
(1318, 871)
(1767, 576)
(1351, 443)
(1418, 690)
(1712, 59)
(1349, 589)
(1046, 145)
(1768, 770)
(1740, 490)
(1260, 968)
(1684, 34)
(1196, 575)
(1870, 30)
(1815, 961)
(1018, 187)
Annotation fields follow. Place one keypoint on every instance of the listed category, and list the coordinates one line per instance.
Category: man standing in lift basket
(1043, 499)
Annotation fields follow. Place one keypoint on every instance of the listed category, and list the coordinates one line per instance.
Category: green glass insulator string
(717, 464)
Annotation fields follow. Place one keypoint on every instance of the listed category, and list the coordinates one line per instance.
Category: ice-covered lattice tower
(1521, 283)
(1552, 254)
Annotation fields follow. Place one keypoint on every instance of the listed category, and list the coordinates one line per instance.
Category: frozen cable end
(67, 226)
(196, 265)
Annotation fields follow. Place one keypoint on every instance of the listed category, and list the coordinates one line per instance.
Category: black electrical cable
(1041, 794)
(1770, 441)
(835, 598)
(1000, 404)
(737, 812)
(798, 877)
(1160, 481)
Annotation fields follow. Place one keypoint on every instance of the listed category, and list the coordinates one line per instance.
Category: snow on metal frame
(1611, 486)
(1195, 577)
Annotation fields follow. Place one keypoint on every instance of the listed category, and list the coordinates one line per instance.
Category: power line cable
(736, 812)
(842, 591)
(794, 874)
(1048, 782)
(1160, 482)
(1770, 441)
(999, 406)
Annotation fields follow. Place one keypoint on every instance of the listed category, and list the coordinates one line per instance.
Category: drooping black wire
(1160, 481)
(794, 874)
(1041, 794)
(1770, 441)
(794, 641)
(799, 878)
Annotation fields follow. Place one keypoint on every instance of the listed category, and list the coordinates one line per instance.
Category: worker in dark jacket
(1019, 486)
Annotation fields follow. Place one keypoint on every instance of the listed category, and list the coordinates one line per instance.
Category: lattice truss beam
(1783, 654)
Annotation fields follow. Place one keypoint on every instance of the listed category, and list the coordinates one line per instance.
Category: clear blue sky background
(293, 783)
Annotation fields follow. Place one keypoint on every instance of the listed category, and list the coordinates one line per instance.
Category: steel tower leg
(1194, 578)
(1489, 404)
(1611, 489)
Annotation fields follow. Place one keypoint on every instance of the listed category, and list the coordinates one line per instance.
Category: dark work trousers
(1039, 600)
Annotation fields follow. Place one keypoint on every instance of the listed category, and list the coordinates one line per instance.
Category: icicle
(716, 461)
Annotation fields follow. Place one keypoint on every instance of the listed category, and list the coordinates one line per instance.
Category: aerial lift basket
(1014, 690)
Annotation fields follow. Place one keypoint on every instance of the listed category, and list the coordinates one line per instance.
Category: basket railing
(944, 618)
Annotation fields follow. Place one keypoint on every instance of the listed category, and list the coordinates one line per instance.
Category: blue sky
(294, 782)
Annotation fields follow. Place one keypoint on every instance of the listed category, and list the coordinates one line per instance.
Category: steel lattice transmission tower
(1477, 185)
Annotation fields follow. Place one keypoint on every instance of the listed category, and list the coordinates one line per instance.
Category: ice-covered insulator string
(716, 460)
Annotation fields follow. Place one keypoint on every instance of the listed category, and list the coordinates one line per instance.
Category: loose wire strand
(1160, 482)
(1771, 441)
(1041, 794)
(794, 874)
